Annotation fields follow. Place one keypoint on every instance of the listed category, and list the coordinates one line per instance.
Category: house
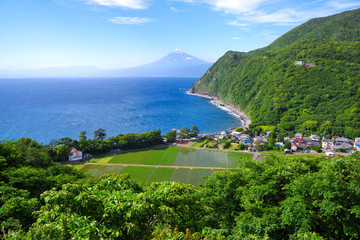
(299, 140)
(330, 154)
(314, 143)
(315, 137)
(357, 147)
(356, 142)
(327, 144)
(353, 151)
(298, 135)
(280, 144)
(294, 147)
(286, 151)
(334, 138)
(346, 146)
(223, 133)
(236, 134)
(299, 63)
(342, 140)
(265, 138)
(258, 139)
(245, 136)
(75, 155)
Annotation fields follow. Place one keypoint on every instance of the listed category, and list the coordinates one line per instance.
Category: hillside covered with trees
(307, 80)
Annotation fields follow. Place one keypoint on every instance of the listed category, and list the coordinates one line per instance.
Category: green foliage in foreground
(294, 197)
(272, 90)
(297, 197)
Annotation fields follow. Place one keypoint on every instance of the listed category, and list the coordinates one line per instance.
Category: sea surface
(46, 109)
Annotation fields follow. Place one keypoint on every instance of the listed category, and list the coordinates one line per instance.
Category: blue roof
(246, 141)
(358, 145)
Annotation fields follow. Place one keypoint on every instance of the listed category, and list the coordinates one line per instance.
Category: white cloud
(236, 38)
(130, 20)
(133, 4)
(234, 6)
(343, 4)
(274, 11)
(238, 24)
(175, 9)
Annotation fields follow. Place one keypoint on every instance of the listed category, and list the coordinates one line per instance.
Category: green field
(140, 174)
(170, 156)
(147, 175)
(161, 174)
(132, 157)
(103, 158)
(176, 156)
(98, 170)
(181, 175)
(184, 158)
(156, 156)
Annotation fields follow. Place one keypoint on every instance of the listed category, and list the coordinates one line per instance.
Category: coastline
(226, 107)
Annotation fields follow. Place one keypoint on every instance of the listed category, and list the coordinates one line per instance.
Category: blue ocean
(46, 109)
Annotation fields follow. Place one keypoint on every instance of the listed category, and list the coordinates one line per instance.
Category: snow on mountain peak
(178, 51)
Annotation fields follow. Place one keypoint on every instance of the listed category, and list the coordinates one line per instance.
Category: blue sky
(125, 33)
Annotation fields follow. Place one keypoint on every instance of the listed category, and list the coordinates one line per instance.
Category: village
(300, 144)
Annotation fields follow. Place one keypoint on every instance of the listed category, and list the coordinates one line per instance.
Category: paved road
(155, 166)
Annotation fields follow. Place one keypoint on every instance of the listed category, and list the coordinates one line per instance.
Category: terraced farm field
(185, 164)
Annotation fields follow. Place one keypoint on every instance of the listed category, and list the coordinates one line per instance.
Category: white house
(75, 155)
(327, 144)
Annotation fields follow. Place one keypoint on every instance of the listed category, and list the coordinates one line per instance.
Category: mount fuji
(175, 64)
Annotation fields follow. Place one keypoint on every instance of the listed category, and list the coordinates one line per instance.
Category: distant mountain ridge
(322, 97)
(175, 64)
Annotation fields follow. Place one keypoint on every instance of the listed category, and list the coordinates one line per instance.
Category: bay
(45, 109)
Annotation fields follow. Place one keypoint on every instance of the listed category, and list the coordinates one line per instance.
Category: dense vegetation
(299, 197)
(273, 91)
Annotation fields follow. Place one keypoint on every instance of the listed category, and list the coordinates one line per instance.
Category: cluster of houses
(298, 142)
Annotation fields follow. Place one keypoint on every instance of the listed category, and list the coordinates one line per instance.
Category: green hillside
(272, 90)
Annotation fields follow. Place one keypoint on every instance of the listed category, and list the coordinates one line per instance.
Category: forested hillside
(320, 95)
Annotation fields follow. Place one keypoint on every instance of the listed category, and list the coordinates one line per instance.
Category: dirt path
(154, 166)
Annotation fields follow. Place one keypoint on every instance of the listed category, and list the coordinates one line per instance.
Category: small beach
(226, 107)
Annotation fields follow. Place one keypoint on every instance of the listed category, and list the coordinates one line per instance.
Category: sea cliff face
(308, 75)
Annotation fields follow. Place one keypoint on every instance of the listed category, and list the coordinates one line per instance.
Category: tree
(194, 131)
(280, 137)
(82, 135)
(184, 133)
(325, 127)
(170, 136)
(287, 145)
(100, 134)
(271, 140)
(53, 143)
(310, 125)
(66, 141)
(61, 153)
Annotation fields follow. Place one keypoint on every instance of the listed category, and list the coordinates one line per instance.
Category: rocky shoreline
(227, 107)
